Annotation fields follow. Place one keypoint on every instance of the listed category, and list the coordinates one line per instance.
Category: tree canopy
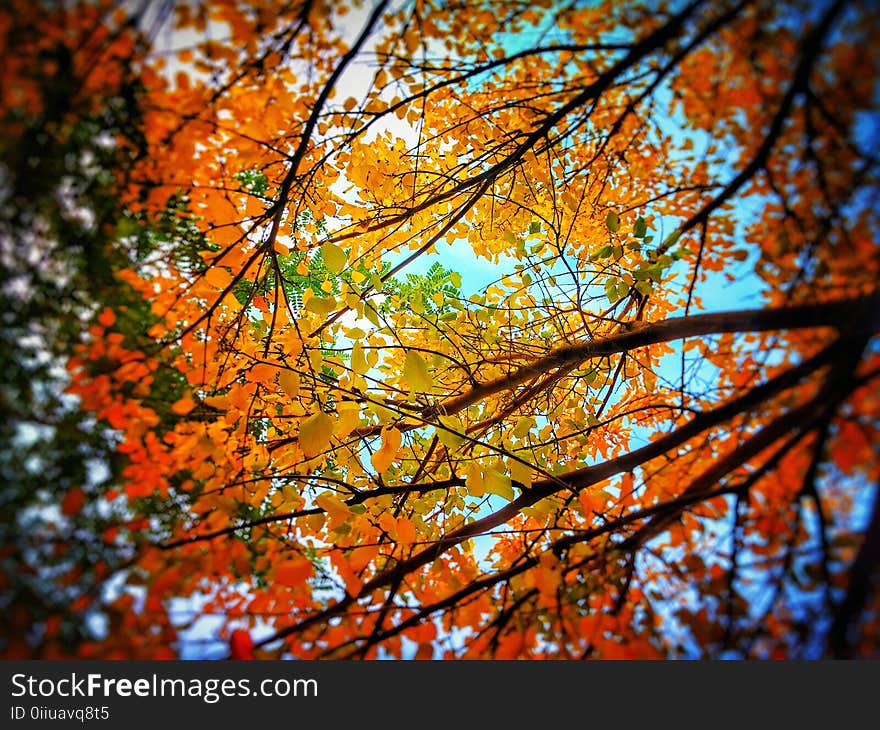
(439, 329)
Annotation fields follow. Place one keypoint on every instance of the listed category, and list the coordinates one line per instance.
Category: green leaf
(534, 227)
(670, 240)
(640, 229)
(612, 222)
(612, 290)
(602, 253)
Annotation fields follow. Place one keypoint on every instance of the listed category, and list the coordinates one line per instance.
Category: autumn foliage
(427, 329)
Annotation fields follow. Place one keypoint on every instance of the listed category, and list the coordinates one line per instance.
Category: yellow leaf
(316, 359)
(321, 306)
(415, 371)
(520, 472)
(337, 511)
(523, 426)
(315, 433)
(335, 259)
(291, 342)
(371, 314)
(332, 505)
(391, 440)
(381, 412)
(220, 402)
(349, 414)
(411, 39)
(542, 508)
(474, 481)
(289, 382)
(570, 201)
(358, 361)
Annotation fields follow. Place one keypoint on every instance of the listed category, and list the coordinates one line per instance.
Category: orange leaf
(294, 572)
(592, 503)
(353, 584)
(183, 406)
(406, 531)
(107, 317)
(218, 278)
(382, 459)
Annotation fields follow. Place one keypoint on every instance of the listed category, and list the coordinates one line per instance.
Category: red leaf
(241, 646)
(73, 501)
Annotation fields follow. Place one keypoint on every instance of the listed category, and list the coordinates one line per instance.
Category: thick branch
(863, 581)
(864, 311)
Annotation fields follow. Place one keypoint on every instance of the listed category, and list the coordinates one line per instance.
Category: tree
(332, 437)
(66, 88)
